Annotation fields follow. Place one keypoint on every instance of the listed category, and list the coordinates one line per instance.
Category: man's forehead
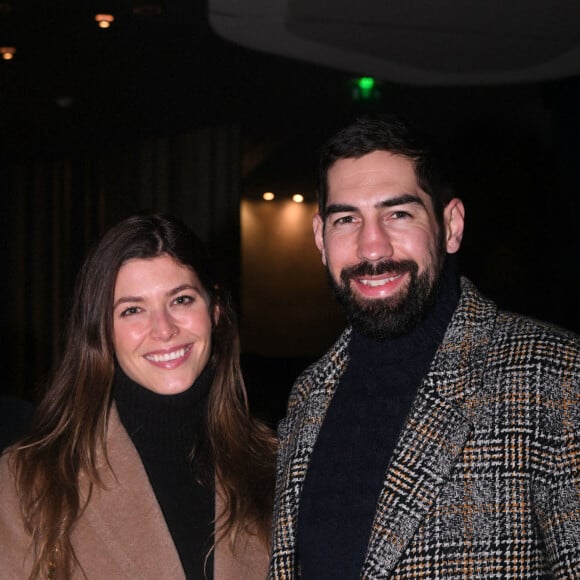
(375, 167)
(372, 178)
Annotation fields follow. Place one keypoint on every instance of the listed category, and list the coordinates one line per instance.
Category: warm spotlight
(5, 7)
(148, 7)
(7, 52)
(298, 198)
(268, 196)
(104, 20)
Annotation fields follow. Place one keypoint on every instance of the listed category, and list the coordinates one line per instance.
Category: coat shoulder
(327, 368)
(536, 343)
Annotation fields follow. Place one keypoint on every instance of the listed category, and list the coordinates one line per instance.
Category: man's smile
(373, 282)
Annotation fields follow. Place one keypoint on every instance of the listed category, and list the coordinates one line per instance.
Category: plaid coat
(485, 479)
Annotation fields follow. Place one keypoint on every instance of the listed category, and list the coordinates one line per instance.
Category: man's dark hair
(384, 133)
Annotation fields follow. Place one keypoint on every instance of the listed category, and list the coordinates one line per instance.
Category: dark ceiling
(419, 42)
(72, 84)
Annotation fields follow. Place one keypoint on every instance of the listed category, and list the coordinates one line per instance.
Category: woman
(145, 412)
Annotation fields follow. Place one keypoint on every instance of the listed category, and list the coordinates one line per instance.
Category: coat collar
(126, 517)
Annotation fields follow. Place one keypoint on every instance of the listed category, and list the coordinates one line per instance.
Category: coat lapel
(123, 524)
(434, 434)
(297, 433)
(247, 560)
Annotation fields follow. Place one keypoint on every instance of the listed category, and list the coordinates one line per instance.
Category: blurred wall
(286, 308)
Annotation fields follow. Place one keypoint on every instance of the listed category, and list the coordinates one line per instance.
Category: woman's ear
(215, 314)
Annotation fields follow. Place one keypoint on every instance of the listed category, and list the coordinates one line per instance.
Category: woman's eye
(131, 310)
(184, 300)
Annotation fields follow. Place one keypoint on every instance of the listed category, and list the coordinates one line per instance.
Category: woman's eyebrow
(125, 299)
(183, 287)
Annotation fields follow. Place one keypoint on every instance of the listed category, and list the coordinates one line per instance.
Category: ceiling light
(298, 198)
(7, 52)
(148, 7)
(268, 196)
(104, 20)
(5, 7)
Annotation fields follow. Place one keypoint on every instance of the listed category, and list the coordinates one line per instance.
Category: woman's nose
(163, 327)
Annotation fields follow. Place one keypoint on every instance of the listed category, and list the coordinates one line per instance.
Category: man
(438, 438)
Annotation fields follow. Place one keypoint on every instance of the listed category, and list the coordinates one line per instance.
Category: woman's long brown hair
(68, 434)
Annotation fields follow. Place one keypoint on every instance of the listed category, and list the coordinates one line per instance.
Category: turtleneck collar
(425, 337)
(164, 424)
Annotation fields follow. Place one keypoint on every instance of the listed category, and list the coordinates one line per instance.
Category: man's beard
(396, 315)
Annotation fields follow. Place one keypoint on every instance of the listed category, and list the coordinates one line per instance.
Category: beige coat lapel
(249, 560)
(122, 533)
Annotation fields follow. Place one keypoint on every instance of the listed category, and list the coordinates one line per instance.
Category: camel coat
(122, 534)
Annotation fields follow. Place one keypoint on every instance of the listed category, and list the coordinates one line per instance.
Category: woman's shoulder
(7, 474)
(14, 539)
(248, 559)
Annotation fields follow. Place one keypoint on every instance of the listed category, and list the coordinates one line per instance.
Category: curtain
(54, 209)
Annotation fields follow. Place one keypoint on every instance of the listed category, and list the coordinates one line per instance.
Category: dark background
(77, 92)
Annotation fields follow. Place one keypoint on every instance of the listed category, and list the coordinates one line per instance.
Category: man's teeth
(380, 282)
(167, 357)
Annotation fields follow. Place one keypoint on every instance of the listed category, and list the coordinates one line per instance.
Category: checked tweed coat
(485, 479)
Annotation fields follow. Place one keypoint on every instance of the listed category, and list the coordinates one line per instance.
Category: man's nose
(374, 242)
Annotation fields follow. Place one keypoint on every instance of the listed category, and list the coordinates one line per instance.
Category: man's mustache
(378, 268)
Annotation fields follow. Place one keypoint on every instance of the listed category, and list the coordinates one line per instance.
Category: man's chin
(383, 303)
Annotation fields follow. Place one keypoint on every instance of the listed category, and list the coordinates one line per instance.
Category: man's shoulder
(514, 327)
(327, 368)
(519, 327)
(511, 344)
(537, 340)
(534, 328)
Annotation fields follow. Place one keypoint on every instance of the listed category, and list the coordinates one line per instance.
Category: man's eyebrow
(339, 208)
(403, 199)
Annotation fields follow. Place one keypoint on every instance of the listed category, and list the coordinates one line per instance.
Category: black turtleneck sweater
(357, 439)
(163, 429)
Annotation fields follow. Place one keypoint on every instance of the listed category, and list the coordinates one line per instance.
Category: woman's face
(161, 324)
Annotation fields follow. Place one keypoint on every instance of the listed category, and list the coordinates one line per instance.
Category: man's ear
(318, 227)
(453, 222)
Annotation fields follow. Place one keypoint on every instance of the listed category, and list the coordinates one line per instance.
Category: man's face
(381, 242)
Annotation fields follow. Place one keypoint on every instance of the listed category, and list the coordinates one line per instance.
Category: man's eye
(400, 214)
(347, 219)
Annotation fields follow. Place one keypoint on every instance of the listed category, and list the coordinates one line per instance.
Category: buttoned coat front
(122, 532)
(485, 479)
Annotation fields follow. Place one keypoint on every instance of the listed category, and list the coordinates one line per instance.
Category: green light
(365, 87)
(366, 83)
